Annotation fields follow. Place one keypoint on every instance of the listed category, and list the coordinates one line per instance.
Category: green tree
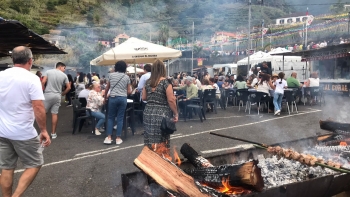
(51, 5)
(198, 51)
(163, 34)
(337, 7)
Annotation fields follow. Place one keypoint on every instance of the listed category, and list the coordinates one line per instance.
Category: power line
(310, 4)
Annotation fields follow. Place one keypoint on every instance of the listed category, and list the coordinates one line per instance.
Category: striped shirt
(122, 86)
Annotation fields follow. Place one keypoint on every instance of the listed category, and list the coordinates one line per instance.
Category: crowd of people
(159, 97)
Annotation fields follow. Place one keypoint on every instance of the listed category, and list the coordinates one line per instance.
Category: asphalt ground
(81, 165)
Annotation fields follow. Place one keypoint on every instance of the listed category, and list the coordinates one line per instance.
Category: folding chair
(81, 113)
(257, 97)
(242, 97)
(209, 97)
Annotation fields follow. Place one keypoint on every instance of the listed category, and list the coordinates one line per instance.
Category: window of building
(298, 20)
(304, 19)
(282, 21)
(289, 20)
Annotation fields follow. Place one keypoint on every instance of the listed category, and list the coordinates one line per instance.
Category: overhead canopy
(255, 58)
(216, 66)
(13, 34)
(278, 50)
(329, 52)
(131, 70)
(260, 57)
(136, 51)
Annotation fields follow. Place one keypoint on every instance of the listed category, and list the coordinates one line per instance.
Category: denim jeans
(101, 118)
(116, 108)
(277, 101)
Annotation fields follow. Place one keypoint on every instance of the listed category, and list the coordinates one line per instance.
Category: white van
(230, 69)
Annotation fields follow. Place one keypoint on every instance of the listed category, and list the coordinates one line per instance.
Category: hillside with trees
(83, 22)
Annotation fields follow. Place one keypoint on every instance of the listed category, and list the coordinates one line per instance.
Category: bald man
(293, 82)
(21, 103)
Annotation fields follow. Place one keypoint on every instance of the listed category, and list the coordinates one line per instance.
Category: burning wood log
(336, 127)
(166, 174)
(198, 161)
(245, 175)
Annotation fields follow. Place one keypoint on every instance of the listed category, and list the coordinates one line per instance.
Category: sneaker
(277, 112)
(115, 127)
(69, 106)
(97, 132)
(118, 141)
(101, 129)
(107, 141)
(53, 135)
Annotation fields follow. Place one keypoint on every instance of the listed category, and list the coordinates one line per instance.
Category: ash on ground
(276, 172)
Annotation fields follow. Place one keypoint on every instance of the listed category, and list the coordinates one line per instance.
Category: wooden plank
(166, 174)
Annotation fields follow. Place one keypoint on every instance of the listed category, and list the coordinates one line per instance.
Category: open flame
(176, 157)
(228, 189)
(162, 150)
(343, 144)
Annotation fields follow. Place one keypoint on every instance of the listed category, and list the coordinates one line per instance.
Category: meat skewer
(306, 159)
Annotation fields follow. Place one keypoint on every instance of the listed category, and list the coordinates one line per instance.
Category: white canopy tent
(278, 50)
(255, 58)
(279, 63)
(136, 51)
(131, 70)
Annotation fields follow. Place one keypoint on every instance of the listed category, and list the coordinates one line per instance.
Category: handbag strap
(117, 83)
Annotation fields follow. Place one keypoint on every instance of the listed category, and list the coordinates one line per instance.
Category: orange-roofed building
(222, 36)
(120, 39)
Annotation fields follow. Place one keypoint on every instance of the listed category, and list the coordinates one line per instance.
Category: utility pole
(249, 41)
(192, 46)
(349, 23)
(150, 34)
(262, 34)
(306, 26)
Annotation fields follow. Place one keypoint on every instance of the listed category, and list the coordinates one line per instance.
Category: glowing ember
(176, 157)
(343, 144)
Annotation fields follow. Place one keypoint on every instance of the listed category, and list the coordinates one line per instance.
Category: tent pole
(135, 70)
(283, 63)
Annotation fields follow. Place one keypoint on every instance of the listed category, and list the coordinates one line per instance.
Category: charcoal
(277, 172)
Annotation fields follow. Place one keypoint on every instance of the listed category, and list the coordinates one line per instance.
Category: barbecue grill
(328, 184)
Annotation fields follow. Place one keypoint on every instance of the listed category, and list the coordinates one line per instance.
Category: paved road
(81, 165)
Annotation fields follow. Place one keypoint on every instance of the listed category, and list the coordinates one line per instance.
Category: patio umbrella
(136, 51)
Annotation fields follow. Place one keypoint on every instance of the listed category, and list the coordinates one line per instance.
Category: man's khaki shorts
(27, 150)
(52, 103)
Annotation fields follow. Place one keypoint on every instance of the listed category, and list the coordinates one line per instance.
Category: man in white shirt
(142, 84)
(21, 102)
(144, 78)
(84, 93)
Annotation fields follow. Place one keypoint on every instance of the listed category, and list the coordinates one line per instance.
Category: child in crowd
(280, 85)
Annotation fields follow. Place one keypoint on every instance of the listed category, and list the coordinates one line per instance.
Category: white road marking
(102, 152)
(242, 125)
(86, 156)
(243, 146)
